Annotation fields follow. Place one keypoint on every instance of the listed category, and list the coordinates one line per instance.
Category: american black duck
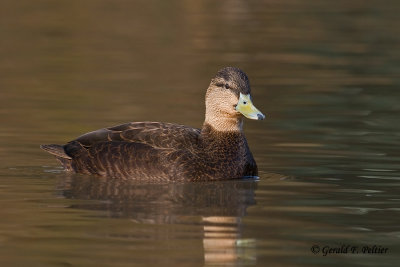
(156, 151)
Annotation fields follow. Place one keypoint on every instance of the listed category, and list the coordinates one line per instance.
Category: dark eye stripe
(223, 85)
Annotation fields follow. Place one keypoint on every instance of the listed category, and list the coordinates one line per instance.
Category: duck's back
(139, 150)
(155, 134)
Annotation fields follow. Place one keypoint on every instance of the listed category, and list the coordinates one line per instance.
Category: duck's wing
(155, 134)
(122, 160)
(139, 150)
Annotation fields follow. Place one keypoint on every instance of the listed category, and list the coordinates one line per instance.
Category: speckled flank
(163, 151)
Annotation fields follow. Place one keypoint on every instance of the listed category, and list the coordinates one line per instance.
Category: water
(324, 72)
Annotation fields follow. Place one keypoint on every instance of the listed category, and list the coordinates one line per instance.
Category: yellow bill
(246, 107)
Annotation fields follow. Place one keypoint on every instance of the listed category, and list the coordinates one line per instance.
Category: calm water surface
(326, 73)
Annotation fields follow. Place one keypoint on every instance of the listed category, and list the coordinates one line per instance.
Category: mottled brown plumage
(163, 151)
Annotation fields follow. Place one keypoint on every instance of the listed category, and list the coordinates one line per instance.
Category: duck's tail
(56, 150)
(59, 152)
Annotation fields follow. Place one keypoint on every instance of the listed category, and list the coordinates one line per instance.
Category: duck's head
(228, 99)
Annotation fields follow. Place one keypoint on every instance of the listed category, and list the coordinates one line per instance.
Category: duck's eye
(227, 86)
(244, 102)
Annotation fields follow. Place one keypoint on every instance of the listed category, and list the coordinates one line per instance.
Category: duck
(158, 151)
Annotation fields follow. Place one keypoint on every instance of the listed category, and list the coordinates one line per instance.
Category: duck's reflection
(222, 241)
(217, 206)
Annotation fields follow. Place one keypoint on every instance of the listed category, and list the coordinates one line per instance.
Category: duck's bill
(246, 107)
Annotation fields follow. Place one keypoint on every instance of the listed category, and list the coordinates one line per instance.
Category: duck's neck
(224, 124)
(214, 138)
